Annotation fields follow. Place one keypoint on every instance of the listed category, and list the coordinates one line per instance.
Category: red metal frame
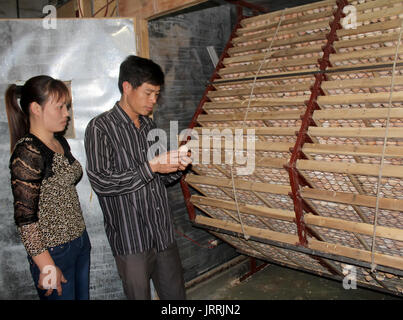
(253, 268)
(316, 91)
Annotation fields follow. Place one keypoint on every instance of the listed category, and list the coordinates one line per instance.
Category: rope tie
(373, 264)
(267, 54)
(246, 236)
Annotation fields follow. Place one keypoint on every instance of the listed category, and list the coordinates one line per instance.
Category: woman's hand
(51, 278)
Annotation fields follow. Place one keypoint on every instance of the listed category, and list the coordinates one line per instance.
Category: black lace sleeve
(27, 167)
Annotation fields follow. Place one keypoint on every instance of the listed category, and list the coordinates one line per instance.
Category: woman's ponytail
(37, 89)
(18, 120)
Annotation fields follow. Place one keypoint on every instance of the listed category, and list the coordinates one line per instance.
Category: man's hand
(165, 163)
(184, 157)
(170, 161)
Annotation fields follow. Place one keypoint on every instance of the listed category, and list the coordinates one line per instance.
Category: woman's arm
(27, 167)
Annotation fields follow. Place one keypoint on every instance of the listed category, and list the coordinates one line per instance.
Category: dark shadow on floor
(278, 283)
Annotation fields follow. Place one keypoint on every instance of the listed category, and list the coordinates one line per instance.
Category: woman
(44, 174)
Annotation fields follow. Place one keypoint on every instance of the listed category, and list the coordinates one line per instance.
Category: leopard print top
(47, 210)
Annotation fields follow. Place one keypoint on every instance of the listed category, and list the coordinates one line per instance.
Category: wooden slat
(355, 132)
(260, 211)
(285, 62)
(239, 184)
(299, 19)
(365, 67)
(271, 162)
(258, 145)
(362, 83)
(358, 113)
(375, 4)
(270, 65)
(271, 15)
(351, 168)
(289, 52)
(277, 43)
(366, 40)
(269, 131)
(264, 102)
(394, 171)
(216, 157)
(352, 199)
(239, 116)
(378, 97)
(365, 54)
(301, 86)
(312, 131)
(260, 102)
(378, 26)
(252, 231)
(352, 226)
(384, 13)
(283, 31)
(357, 254)
(352, 150)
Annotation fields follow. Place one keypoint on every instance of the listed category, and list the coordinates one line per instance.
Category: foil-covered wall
(87, 53)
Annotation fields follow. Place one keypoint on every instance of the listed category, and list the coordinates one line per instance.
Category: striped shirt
(133, 199)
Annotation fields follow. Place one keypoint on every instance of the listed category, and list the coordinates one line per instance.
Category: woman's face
(55, 115)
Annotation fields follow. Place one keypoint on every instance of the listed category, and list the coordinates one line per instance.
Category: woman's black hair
(37, 89)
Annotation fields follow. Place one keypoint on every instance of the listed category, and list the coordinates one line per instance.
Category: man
(131, 187)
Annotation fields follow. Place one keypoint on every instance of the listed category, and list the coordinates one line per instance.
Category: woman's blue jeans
(73, 259)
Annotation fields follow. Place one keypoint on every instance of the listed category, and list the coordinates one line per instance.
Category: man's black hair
(137, 70)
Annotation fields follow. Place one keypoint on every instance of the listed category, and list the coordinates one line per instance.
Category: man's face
(142, 99)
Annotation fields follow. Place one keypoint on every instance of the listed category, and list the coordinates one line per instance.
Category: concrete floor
(277, 283)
